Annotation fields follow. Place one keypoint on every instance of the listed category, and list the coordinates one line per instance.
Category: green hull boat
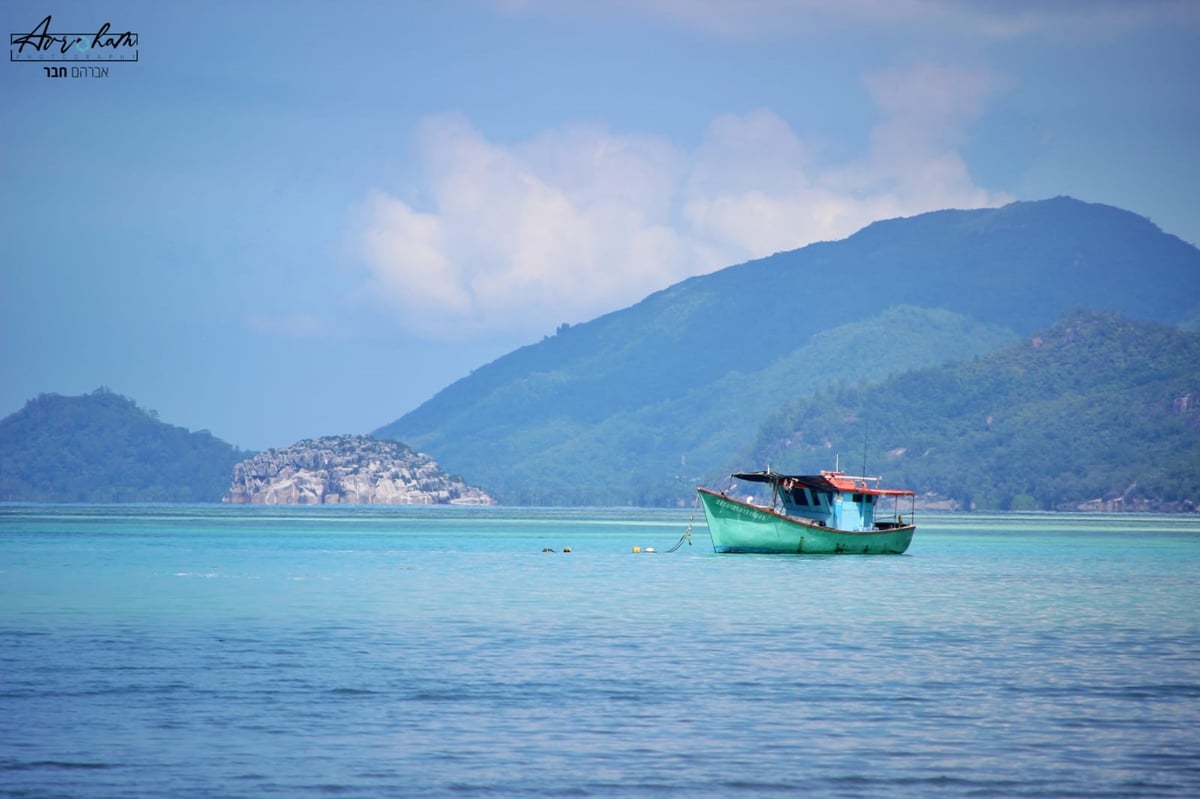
(826, 514)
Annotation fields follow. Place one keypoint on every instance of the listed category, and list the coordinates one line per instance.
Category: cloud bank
(581, 220)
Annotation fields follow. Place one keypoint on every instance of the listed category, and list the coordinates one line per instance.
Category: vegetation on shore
(1097, 412)
(101, 447)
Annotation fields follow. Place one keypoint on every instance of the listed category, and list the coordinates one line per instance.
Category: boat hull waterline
(737, 526)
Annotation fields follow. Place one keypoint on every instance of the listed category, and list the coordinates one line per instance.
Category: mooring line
(687, 534)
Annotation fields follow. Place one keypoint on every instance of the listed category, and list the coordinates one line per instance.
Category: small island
(356, 470)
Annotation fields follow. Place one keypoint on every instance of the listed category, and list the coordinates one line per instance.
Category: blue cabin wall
(808, 504)
(854, 512)
(841, 511)
(848, 511)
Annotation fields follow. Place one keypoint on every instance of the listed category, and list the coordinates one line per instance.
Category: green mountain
(101, 447)
(1097, 411)
(635, 406)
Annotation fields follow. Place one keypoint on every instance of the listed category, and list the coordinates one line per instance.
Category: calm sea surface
(208, 651)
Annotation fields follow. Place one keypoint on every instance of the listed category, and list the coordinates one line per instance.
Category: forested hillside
(1098, 411)
(635, 405)
(101, 447)
(655, 454)
(913, 345)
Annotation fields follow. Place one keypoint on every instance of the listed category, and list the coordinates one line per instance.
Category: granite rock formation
(347, 470)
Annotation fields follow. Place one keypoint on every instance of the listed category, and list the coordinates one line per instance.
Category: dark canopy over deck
(825, 481)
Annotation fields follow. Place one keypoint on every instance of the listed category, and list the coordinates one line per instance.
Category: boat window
(857, 498)
(800, 496)
(816, 496)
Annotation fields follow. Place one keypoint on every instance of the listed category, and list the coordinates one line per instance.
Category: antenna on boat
(866, 432)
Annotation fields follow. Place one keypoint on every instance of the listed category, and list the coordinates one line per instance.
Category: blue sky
(296, 219)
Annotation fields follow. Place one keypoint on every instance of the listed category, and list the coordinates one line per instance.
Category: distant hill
(1097, 412)
(655, 453)
(635, 406)
(101, 447)
(347, 470)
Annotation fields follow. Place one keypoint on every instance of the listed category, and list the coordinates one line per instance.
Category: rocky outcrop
(347, 470)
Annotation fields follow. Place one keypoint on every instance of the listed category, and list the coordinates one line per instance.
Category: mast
(866, 435)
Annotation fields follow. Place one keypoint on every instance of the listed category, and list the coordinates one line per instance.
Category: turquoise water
(210, 651)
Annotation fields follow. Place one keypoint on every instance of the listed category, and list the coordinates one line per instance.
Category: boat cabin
(833, 499)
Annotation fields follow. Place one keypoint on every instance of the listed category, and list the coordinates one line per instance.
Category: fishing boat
(822, 514)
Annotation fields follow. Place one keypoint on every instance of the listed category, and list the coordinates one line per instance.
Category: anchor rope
(687, 534)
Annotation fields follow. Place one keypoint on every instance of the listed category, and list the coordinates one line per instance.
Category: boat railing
(857, 478)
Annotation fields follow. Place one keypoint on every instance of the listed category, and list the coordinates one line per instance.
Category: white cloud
(914, 158)
(556, 229)
(582, 220)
